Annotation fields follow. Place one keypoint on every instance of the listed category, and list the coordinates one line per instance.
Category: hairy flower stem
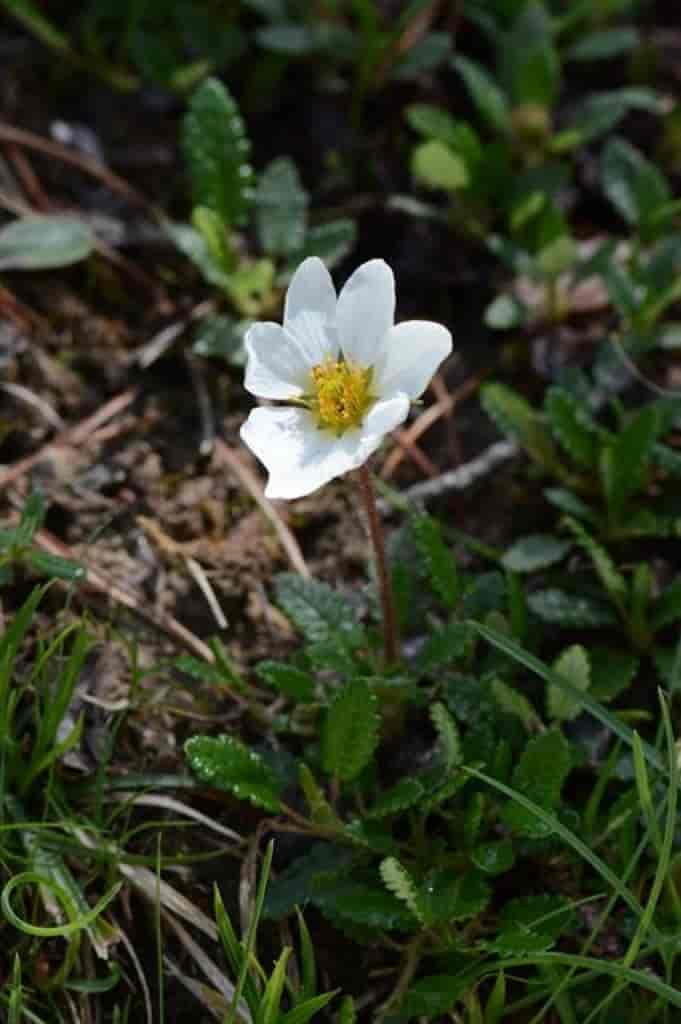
(391, 645)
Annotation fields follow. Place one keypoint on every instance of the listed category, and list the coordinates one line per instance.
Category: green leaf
(667, 607)
(450, 643)
(55, 566)
(485, 93)
(331, 242)
(351, 730)
(570, 610)
(288, 679)
(314, 607)
(44, 243)
(225, 763)
(568, 502)
(297, 882)
(572, 425)
(433, 996)
(287, 38)
(632, 183)
(601, 111)
(519, 940)
(347, 1013)
(321, 811)
(281, 208)
(605, 44)
(435, 165)
(514, 416)
(494, 858)
(404, 794)
(611, 578)
(308, 1009)
(445, 896)
(612, 671)
(361, 904)
(217, 149)
(448, 737)
(530, 66)
(221, 336)
(536, 551)
(513, 703)
(439, 561)
(192, 243)
(573, 665)
(624, 463)
(400, 883)
(539, 775)
(32, 518)
(437, 124)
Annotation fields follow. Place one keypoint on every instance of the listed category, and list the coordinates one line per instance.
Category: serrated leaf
(513, 703)
(225, 763)
(516, 417)
(449, 740)
(519, 940)
(350, 732)
(546, 913)
(570, 610)
(362, 904)
(450, 643)
(217, 150)
(281, 208)
(624, 463)
(404, 794)
(433, 997)
(539, 775)
(445, 896)
(573, 665)
(295, 884)
(314, 607)
(439, 561)
(401, 884)
(321, 811)
(611, 578)
(573, 426)
(288, 679)
(485, 93)
(536, 551)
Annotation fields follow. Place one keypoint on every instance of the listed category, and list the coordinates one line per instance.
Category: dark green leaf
(221, 336)
(351, 730)
(331, 242)
(612, 671)
(624, 464)
(217, 149)
(450, 643)
(438, 558)
(225, 763)
(572, 424)
(291, 681)
(445, 896)
(667, 607)
(32, 518)
(494, 858)
(400, 797)
(433, 997)
(361, 904)
(572, 665)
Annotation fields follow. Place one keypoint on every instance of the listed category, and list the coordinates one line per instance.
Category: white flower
(347, 371)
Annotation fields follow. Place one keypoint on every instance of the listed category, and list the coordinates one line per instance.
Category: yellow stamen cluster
(341, 394)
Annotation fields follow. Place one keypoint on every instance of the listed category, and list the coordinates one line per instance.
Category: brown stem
(390, 634)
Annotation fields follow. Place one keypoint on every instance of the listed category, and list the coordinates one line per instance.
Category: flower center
(341, 393)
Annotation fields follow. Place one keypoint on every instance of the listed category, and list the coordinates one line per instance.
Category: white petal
(298, 456)
(366, 311)
(383, 417)
(311, 291)
(412, 353)
(277, 367)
